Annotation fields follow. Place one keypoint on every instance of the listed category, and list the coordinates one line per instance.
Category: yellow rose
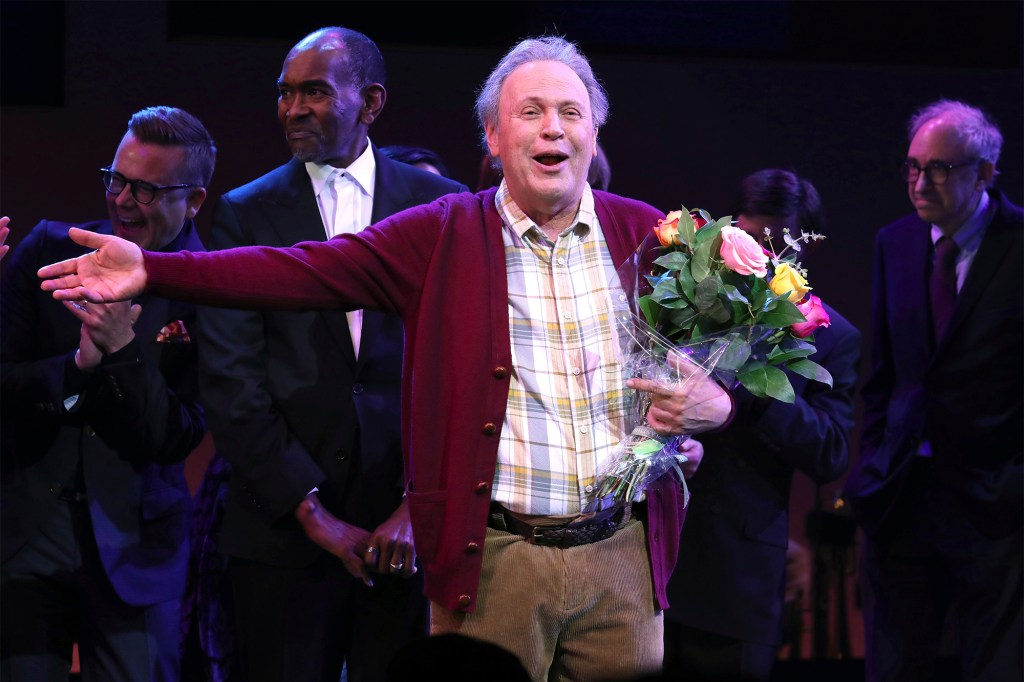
(788, 279)
(667, 228)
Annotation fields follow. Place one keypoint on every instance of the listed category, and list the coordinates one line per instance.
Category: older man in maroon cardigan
(481, 487)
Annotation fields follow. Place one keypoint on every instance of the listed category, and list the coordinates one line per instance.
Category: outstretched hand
(113, 272)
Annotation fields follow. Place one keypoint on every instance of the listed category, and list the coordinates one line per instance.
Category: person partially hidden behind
(514, 391)
(99, 410)
(305, 406)
(938, 487)
(421, 157)
(729, 587)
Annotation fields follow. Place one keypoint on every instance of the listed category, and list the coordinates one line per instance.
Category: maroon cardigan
(441, 266)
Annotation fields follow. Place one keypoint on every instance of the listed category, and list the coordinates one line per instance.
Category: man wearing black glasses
(99, 410)
(938, 485)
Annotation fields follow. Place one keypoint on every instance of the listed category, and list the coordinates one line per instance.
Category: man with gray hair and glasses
(938, 485)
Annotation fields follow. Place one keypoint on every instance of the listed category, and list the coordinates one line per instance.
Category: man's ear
(986, 173)
(374, 96)
(491, 133)
(196, 197)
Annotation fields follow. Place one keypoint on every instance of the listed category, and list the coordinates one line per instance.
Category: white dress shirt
(345, 199)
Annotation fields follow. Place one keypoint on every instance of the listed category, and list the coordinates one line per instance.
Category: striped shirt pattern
(568, 401)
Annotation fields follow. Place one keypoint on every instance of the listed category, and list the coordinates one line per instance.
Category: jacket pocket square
(174, 332)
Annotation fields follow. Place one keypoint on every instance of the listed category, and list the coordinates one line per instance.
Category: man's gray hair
(547, 48)
(976, 128)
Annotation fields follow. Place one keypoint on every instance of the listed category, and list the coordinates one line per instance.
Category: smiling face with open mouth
(152, 226)
(545, 138)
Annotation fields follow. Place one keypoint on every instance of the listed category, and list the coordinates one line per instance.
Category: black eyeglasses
(142, 191)
(936, 171)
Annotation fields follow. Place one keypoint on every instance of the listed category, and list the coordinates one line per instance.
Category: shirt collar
(520, 223)
(361, 171)
(968, 236)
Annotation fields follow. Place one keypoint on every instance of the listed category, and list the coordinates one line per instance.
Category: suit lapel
(995, 248)
(295, 217)
(295, 214)
(391, 191)
(907, 288)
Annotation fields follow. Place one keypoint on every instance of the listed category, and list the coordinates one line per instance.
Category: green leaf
(732, 352)
(790, 348)
(734, 294)
(708, 233)
(674, 260)
(647, 447)
(707, 293)
(781, 313)
(649, 310)
(811, 370)
(687, 285)
(778, 356)
(768, 382)
(700, 264)
(665, 290)
(687, 228)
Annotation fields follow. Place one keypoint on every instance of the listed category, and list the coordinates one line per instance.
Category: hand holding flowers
(714, 303)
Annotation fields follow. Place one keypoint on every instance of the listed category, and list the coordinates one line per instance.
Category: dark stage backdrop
(702, 94)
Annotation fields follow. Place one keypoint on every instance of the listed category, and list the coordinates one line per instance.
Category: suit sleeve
(878, 386)
(34, 386)
(813, 433)
(249, 429)
(143, 408)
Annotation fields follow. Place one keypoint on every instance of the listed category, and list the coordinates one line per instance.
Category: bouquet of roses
(715, 302)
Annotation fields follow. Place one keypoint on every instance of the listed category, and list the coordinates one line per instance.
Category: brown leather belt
(582, 530)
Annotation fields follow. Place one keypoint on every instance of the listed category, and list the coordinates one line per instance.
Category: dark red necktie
(943, 284)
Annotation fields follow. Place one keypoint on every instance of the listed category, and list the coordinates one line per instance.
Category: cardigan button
(465, 600)
(500, 372)
(489, 429)
(472, 548)
(482, 487)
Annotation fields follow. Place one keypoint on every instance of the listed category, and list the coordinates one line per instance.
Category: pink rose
(742, 254)
(816, 316)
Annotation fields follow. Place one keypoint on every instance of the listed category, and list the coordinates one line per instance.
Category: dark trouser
(55, 592)
(932, 559)
(305, 623)
(692, 654)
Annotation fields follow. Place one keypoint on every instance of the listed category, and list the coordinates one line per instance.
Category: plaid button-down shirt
(568, 399)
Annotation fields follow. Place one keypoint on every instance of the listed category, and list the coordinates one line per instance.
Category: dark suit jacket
(134, 423)
(963, 396)
(730, 579)
(289, 406)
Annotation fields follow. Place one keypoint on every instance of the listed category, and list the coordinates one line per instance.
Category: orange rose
(667, 228)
